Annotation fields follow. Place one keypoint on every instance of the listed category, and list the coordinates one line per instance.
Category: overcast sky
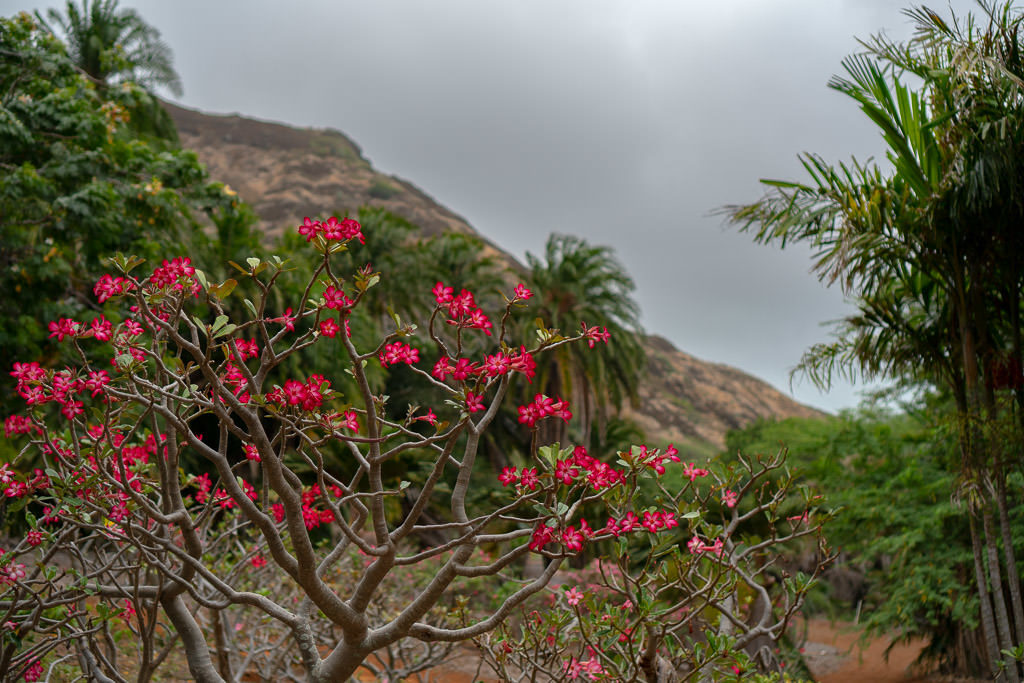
(626, 122)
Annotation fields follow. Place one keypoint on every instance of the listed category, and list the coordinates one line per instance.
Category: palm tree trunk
(998, 597)
(1012, 575)
(988, 624)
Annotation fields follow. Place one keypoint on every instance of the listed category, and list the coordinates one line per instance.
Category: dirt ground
(834, 655)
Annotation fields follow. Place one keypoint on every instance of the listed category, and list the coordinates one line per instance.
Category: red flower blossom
(474, 403)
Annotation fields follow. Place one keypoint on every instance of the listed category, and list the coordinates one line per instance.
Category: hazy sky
(626, 122)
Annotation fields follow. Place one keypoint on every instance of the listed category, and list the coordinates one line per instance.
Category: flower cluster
(398, 352)
(655, 459)
(542, 407)
(246, 349)
(308, 395)
(177, 273)
(594, 335)
(527, 478)
(591, 668)
(37, 386)
(462, 309)
(336, 299)
(332, 229)
(109, 286)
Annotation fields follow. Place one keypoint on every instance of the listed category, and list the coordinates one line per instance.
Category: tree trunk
(200, 664)
(988, 624)
(998, 598)
(1012, 574)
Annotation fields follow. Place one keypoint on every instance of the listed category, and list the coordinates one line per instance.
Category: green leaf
(227, 329)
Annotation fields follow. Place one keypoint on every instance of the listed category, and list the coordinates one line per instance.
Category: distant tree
(578, 284)
(113, 45)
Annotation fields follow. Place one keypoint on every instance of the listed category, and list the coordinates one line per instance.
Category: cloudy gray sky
(624, 121)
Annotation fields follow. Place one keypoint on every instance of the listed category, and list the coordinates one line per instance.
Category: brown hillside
(286, 173)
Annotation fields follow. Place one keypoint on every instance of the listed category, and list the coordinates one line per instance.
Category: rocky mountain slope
(285, 173)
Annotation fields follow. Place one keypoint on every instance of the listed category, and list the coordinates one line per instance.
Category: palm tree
(577, 283)
(114, 45)
(927, 251)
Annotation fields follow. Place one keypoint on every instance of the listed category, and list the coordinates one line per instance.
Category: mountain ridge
(284, 172)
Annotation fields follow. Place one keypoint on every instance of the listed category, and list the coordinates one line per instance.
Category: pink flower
(529, 479)
(101, 328)
(692, 471)
(464, 369)
(474, 403)
(594, 335)
(398, 352)
(652, 521)
(288, 320)
(251, 452)
(565, 472)
(442, 294)
(498, 364)
(429, 417)
(111, 286)
(695, 545)
(523, 362)
(247, 349)
(65, 327)
(351, 420)
(72, 409)
(461, 305)
(28, 372)
(336, 298)
(258, 561)
(442, 368)
(799, 519)
(16, 424)
(34, 671)
(729, 498)
(572, 539)
(522, 293)
(309, 228)
(329, 327)
(508, 475)
(715, 548)
(573, 596)
(542, 535)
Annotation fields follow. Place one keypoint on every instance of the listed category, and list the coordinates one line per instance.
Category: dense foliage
(905, 566)
(76, 185)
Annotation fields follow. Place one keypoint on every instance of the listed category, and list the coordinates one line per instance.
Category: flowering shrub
(195, 492)
(659, 607)
(120, 513)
